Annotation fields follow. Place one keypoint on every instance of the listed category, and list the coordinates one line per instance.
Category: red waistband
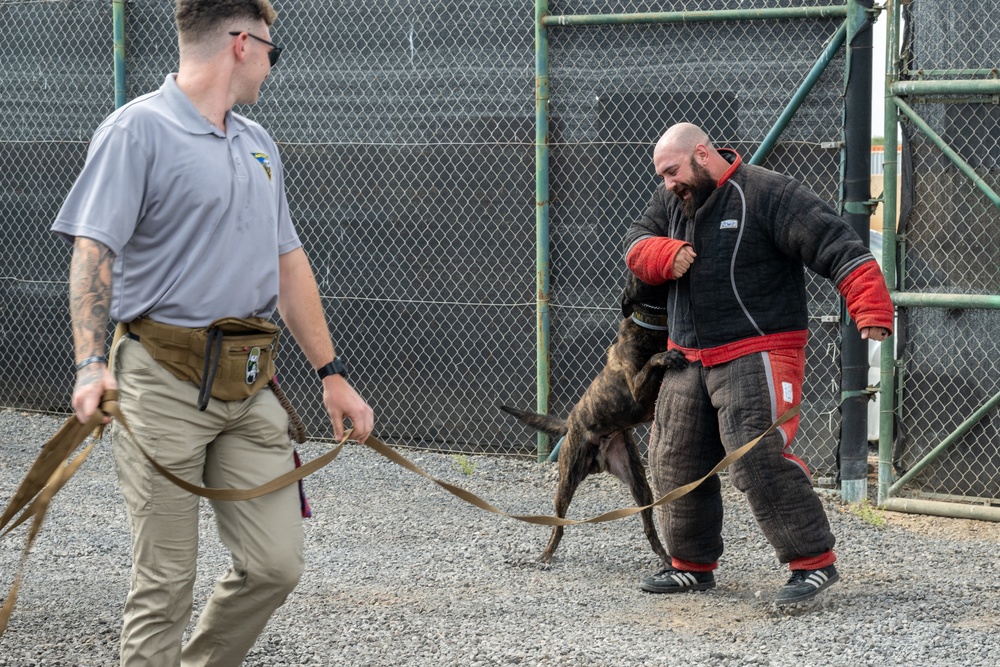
(713, 356)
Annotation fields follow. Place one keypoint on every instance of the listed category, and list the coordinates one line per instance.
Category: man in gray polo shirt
(180, 216)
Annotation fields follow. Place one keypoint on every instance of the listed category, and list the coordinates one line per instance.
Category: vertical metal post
(887, 382)
(542, 216)
(856, 167)
(118, 20)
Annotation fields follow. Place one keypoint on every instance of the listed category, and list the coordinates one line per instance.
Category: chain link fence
(950, 357)
(56, 85)
(614, 89)
(407, 132)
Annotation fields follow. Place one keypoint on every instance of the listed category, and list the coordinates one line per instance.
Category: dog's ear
(636, 291)
(629, 293)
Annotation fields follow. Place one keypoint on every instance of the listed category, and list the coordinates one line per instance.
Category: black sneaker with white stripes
(806, 584)
(672, 580)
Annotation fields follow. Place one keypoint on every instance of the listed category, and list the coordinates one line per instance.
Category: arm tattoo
(90, 296)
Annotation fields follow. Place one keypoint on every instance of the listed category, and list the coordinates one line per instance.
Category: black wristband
(100, 359)
(335, 367)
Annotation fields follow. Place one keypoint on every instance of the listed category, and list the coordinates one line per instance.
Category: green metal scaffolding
(897, 92)
(858, 17)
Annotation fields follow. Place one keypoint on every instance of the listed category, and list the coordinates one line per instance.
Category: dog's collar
(649, 317)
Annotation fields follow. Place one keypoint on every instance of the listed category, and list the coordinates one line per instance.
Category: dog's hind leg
(634, 476)
(575, 461)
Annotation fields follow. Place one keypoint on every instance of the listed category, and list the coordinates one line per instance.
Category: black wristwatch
(336, 366)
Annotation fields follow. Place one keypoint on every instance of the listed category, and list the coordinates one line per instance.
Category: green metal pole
(962, 165)
(927, 300)
(118, 20)
(887, 377)
(542, 218)
(949, 87)
(993, 72)
(800, 95)
(951, 510)
(772, 14)
(962, 429)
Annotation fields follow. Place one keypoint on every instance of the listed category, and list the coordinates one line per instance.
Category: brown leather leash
(52, 469)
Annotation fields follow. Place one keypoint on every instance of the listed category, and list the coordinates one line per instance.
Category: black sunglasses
(272, 55)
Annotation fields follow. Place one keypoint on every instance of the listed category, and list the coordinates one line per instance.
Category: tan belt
(52, 469)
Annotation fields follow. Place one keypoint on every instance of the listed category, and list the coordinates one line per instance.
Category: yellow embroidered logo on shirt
(264, 162)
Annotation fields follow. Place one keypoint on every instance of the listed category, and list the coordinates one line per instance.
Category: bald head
(684, 145)
(682, 138)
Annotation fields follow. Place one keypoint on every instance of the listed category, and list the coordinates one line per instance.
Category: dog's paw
(671, 360)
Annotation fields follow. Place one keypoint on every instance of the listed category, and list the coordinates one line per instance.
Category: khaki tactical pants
(238, 444)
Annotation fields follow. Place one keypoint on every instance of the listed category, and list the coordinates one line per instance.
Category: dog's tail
(545, 423)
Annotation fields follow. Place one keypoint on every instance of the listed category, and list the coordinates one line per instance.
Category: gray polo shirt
(196, 218)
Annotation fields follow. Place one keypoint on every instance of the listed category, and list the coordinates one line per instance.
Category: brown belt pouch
(231, 358)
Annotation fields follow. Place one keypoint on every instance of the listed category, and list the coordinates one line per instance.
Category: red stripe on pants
(788, 369)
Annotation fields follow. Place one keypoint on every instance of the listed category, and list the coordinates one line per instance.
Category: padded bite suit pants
(703, 413)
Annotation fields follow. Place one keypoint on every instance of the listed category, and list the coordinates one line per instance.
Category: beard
(701, 187)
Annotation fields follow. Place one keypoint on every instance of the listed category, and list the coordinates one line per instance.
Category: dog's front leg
(645, 384)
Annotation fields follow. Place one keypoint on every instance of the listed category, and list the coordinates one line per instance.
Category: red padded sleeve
(652, 259)
(868, 300)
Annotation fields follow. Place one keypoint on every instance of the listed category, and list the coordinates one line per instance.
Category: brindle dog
(598, 430)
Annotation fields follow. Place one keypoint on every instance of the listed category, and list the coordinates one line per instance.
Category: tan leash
(52, 469)
(388, 452)
(471, 498)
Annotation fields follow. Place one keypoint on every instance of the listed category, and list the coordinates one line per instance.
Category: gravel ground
(401, 573)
